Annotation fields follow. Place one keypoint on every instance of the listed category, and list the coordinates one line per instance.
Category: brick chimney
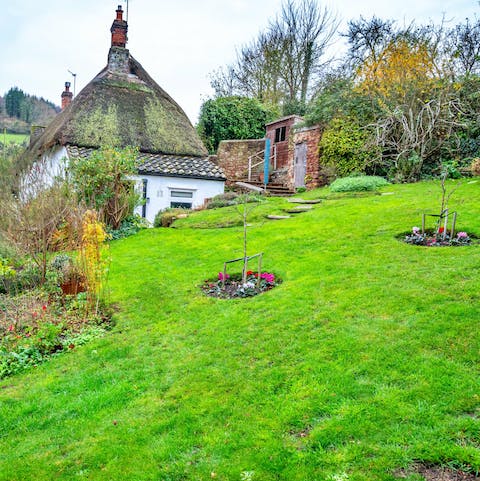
(118, 55)
(119, 30)
(66, 96)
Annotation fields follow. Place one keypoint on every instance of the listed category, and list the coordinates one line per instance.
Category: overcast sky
(178, 42)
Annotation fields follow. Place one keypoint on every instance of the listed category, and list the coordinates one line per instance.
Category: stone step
(275, 189)
(298, 210)
(296, 200)
(261, 184)
(278, 217)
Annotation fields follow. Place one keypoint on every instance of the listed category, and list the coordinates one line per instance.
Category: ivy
(344, 146)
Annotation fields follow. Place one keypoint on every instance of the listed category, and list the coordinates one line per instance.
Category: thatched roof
(119, 109)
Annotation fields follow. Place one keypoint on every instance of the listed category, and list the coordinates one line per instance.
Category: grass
(364, 360)
(13, 138)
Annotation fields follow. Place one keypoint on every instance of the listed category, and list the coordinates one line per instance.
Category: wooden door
(300, 167)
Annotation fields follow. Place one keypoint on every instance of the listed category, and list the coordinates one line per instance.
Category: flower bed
(438, 238)
(232, 286)
(35, 326)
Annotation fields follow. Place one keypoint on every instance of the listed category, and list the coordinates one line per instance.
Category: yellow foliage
(93, 255)
(402, 67)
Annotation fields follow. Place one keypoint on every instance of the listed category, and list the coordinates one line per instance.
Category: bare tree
(280, 65)
(368, 38)
(411, 133)
(305, 31)
(29, 221)
(463, 44)
(223, 81)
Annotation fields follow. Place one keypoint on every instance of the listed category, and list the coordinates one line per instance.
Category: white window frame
(188, 200)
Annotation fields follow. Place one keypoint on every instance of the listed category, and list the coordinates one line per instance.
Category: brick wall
(281, 149)
(232, 157)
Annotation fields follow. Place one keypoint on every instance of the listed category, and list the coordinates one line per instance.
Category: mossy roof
(121, 109)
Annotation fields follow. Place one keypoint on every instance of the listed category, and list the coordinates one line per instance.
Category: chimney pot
(119, 13)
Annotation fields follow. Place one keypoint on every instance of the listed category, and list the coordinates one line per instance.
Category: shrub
(129, 226)
(222, 200)
(166, 217)
(14, 281)
(358, 184)
(61, 261)
(103, 181)
(229, 118)
(475, 167)
(231, 198)
(93, 259)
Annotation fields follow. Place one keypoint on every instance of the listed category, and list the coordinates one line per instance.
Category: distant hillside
(18, 111)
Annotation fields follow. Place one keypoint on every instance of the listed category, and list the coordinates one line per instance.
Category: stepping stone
(299, 209)
(278, 217)
(294, 200)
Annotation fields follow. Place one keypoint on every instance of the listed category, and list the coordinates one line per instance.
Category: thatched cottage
(123, 106)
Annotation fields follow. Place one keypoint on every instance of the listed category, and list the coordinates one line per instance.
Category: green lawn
(12, 138)
(365, 359)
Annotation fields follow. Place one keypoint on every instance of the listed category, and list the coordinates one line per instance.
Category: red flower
(11, 328)
(441, 230)
(44, 307)
(250, 273)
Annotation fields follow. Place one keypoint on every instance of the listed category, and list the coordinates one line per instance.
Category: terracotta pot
(73, 287)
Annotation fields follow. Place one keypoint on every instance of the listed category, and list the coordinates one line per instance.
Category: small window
(181, 205)
(280, 134)
(184, 194)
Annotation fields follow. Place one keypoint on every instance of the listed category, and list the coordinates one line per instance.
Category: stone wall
(232, 157)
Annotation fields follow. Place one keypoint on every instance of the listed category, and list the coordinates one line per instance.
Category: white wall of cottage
(163, 191)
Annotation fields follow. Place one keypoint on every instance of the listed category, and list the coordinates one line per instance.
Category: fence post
(452, 232)
(224, 274)
(445, 224)
(259, 269)
(266, 160)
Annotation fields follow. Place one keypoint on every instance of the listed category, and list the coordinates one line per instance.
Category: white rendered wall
(159, 192)
(44, 172)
